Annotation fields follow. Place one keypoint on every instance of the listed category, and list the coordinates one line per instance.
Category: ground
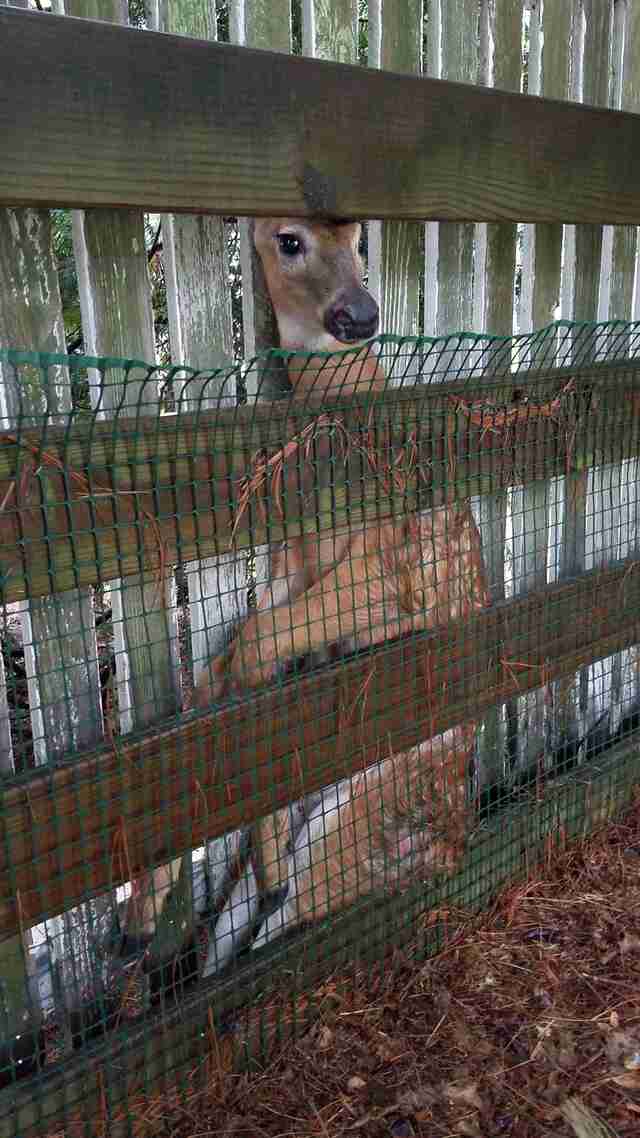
(526, 1024)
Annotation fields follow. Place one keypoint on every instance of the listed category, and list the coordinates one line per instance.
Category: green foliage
(222, 13)
(153, 244)
(296, 27)
(363, 32)
(138, 14)
(68, 281)
(232, 235)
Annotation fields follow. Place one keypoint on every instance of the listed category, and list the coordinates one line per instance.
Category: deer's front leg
(346, 603)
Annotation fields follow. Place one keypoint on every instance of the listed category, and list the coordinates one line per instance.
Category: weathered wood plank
(200, 336)
(395, 44)
(174, 1044)
(30, 311)
(169, 489)
(264, 26)
(330, 30)
(116, 315)
(495, 254)
(452, 55)
(613, 684)
(76, 89)
(500, 66)
(168, 791)
(620, 242)
(574, 709)
(59, 639)
(549, 74)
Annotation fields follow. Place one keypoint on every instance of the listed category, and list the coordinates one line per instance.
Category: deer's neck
(316, 377)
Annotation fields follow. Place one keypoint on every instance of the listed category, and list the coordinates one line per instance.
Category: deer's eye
(289, 244)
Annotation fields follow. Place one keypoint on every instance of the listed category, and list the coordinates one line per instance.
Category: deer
(343, 590)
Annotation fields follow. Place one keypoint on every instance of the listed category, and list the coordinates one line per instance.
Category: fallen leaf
(464, 1092)
(622, 1047)
(355, 1084)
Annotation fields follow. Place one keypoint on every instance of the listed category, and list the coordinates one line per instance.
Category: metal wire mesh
(209, 799)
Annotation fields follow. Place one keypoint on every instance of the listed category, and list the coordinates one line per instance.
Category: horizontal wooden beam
(92, 114)
(97, 500)
(97, 821)
(165, 1049)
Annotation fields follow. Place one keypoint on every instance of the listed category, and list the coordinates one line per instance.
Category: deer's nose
(352, 316)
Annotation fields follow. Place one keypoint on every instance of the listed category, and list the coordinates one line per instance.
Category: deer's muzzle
(352, 316)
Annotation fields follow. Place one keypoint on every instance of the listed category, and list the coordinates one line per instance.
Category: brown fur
(404, 817)
(356, 586)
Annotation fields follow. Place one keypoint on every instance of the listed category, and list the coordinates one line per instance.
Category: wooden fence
(519, 197)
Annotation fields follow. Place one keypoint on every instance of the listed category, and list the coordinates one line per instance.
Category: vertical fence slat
(624, 238)
(21, 325)
(580, 292)
(395, 44)
(550, 69)
(267, 26)
(549, 74)
(452, 53)
(60, 650)
(500, 65)
(614, 688)
(330, 30)
(117, 320)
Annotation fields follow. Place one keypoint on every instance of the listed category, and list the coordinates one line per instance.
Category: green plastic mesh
(283, 679)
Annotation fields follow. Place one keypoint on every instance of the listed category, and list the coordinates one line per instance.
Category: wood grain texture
(163, 792)
(395, 44)
(173, 1044)
(169, 489)
(58, 632)
(495, 255)
(120, 117)
(265, 25)
(549, 74)
(575, 708)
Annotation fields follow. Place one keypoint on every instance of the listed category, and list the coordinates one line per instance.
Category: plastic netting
(282, 681)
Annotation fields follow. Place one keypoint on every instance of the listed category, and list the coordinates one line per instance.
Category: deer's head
(314, 274)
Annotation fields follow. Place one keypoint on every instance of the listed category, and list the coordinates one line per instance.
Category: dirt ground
(527, 1024)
